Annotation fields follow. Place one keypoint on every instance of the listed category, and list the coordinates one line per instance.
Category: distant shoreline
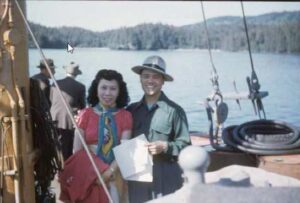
(175, 50)
(268, 33)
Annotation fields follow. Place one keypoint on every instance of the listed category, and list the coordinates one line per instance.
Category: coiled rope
(45, 139)
(263, 137)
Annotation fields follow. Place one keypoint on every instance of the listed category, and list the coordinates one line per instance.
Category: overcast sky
(103, 15)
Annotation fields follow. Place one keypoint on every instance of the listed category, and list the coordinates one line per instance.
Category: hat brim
(138, 70)
(52, 67)
(76, 72)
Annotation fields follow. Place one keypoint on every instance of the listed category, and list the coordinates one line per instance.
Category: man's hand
(76, 117)
(157, 147)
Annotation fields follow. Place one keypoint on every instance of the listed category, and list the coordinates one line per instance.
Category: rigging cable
(247, 36)
(70, 114)
(221, 110)
(253, 82)
(215, 76)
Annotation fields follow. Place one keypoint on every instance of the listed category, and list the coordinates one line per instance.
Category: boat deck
(288, 165)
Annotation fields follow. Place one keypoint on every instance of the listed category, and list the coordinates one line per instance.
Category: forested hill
(273, 32)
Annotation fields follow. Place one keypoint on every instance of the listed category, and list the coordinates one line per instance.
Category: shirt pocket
(161, 131)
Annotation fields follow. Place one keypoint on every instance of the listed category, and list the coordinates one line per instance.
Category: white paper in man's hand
(134, 160)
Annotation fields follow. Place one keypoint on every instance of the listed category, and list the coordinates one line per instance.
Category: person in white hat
(74, 94)
(44, 75)
(165, 125)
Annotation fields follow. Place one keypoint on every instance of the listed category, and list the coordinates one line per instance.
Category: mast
(16, 148)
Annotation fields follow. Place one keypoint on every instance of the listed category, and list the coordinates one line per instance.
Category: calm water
(279, 74)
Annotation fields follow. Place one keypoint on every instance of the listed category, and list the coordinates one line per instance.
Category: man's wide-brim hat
(72, 69)
(154, 63)
(49, 62)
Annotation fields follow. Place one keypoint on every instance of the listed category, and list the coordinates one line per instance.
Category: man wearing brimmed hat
(74, 94)
(165, 125)
(44, 75)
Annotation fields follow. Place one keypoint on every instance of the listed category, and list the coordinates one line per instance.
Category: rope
(215, 74)
(207, 37)
(213, 137)
(263, 137)
(3, 132)
(247, 35)
(45, 138)
(4, 12)
(253, 82)
(3, 136)
(70, 114)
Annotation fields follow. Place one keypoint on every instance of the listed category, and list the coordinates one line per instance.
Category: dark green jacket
(165, 121)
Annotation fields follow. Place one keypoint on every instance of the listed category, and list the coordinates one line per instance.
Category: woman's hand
(107, 175)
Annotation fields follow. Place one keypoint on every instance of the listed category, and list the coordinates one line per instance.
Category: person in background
(165, 125)
(74, 94)
(43, 77)
(103, 124)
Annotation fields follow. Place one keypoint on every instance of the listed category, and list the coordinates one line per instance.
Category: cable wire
(247, 36)
(207, 37)
(215, 74)
(70, 114)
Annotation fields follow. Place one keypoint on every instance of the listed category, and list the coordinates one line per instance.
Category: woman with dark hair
(122, 99)
(104, 124)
